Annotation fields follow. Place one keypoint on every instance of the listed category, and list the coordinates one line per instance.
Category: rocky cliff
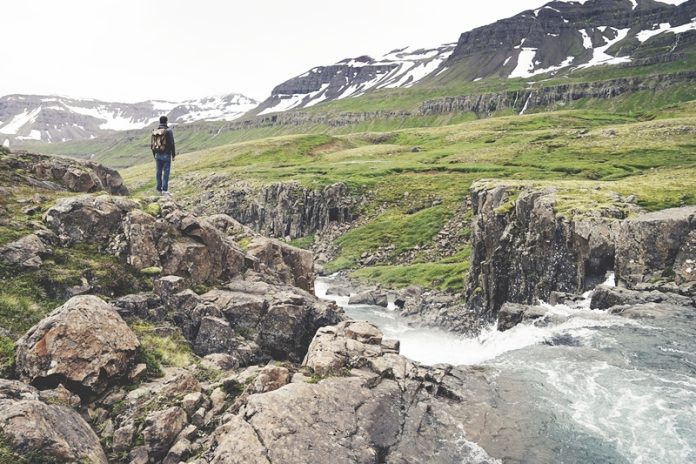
(525, 251)
(552, 97)
(289, 209)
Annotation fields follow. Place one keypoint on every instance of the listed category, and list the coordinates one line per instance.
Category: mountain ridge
(51, 119)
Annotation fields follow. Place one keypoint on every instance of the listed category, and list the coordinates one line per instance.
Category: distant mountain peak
(51, 118)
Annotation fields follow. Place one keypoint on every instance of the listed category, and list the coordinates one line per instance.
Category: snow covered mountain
(353, 77)
(59, 119)
(560, 37)
(564, 36)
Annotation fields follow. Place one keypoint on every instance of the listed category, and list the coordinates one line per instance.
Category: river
(620, 388)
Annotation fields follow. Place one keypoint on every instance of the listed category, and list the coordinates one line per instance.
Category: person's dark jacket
(171, 147)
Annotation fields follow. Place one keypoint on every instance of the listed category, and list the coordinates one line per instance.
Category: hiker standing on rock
(164, 151)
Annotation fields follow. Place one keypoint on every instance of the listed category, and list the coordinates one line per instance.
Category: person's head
(163, 120)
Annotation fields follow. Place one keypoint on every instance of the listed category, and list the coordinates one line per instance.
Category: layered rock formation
(289, 209)
(523, 251)
(552, 97)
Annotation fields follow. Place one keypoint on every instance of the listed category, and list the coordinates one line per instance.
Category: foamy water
(620, 390)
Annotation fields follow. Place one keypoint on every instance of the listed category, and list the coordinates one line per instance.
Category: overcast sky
(135, 50)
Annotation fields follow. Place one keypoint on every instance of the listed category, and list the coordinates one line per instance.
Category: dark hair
(163, 120)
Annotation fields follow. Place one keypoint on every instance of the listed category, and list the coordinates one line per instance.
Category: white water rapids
(432, 346)
(619, 389)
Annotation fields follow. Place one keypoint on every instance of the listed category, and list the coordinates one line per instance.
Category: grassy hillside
(417, 179)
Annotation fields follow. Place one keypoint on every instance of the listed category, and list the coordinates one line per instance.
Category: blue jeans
(163, 163)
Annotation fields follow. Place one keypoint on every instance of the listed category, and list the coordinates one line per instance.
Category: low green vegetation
(160, 348)
(29, 294)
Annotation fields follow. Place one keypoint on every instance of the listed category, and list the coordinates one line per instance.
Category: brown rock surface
(83, 344)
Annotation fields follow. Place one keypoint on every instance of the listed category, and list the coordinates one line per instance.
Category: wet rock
(685, 262)
(83, 344)
(49, 432)
(512, 314)
(370, 297)
(339, 290)
(605, 297)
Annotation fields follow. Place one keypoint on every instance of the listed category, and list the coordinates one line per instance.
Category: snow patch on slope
(20, 121)
(599, 55)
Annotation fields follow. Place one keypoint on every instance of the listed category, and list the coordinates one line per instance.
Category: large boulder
(648, 246)
(41, 432)
(389, 410)
(83, 344)
(88, 219)
(291, 265)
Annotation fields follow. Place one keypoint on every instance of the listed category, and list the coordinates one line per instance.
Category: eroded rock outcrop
(83, 344)
(249, 319)
(523, 250)
(656, 245)
(57, 173)
(289, 264)
(88, 219)
(289, 209)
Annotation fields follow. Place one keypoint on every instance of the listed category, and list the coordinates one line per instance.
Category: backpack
(158, 140)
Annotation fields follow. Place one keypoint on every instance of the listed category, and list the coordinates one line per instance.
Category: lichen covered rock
(83, 344)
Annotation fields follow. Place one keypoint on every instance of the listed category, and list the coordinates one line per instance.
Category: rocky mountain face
(524, 252)
(59, 119)
(563, 36)
(352, 77)
(558, 38)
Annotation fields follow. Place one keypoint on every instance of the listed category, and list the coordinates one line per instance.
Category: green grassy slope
(416, 178)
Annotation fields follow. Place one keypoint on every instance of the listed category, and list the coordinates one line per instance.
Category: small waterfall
(433, 346)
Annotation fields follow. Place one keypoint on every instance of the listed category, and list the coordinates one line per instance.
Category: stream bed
(595, 386)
